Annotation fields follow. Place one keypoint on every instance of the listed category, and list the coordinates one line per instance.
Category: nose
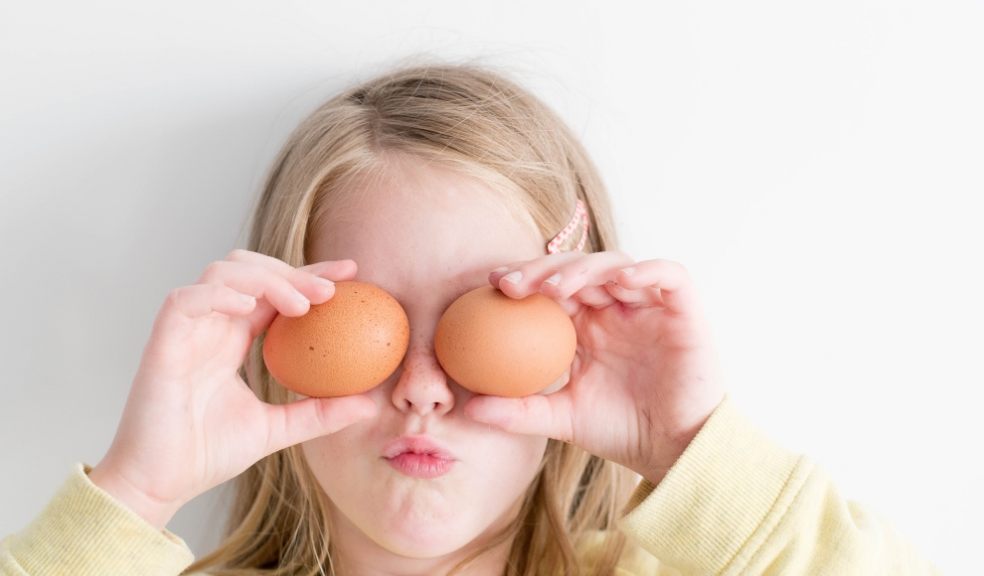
(422, 387)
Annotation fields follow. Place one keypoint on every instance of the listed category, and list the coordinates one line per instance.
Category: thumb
(536, 415)
(299, 421)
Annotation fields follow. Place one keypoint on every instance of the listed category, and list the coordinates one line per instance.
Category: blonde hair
(473, 119)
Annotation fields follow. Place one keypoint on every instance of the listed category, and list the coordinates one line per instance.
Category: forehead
(425, 227)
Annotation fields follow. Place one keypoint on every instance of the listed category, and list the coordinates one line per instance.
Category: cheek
(511, 463)
(324, 455)
(319, 453)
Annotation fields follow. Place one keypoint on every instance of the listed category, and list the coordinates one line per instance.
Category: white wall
(817, 167)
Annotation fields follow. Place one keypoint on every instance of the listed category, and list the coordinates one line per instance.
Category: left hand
(644, 378)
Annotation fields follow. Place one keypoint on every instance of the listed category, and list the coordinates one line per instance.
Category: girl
(428, 182)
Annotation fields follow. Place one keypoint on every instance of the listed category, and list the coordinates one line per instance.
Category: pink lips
(419, 457)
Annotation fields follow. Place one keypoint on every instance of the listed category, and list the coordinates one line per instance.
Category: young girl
(429, 182)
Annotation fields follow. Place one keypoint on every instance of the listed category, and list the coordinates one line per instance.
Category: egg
(491, 343)
(346, 345)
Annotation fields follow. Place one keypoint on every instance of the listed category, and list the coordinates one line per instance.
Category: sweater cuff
(718, 503)
(85, 531)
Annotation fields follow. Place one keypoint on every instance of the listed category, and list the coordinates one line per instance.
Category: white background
(817, 166)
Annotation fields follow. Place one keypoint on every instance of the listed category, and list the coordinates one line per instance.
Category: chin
(412, 540)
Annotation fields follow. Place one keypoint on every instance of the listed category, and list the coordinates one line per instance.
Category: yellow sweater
(734, 503)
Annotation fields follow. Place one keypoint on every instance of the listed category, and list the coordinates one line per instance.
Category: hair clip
(580, 214)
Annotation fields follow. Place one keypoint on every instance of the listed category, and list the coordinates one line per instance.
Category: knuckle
(668, 265)
(288, 285)
(175, 297)
(680, 268)
(213, 270)
(297, 276)
(237, 254)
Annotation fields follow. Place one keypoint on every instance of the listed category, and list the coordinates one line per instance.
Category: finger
(333, 269)
(537, 415)
(646, 297)
(571, 306)
(303, 420)
(567, 275)
(202, 299)
(310, 279)
(528, 268)
(305, 278)
(572, 278)
(259, 282)
(675, 286)
(594, 296)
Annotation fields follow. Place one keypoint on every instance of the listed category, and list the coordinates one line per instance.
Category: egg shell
(491, 343)
(346, 345)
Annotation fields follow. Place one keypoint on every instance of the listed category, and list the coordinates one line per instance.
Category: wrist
(156, 512)
(669, 445)
(671, 448)
(655, 470)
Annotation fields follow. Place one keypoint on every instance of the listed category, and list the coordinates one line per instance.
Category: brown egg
(493, 344)
(346, 345)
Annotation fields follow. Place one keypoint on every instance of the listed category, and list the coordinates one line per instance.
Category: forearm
(84, 531)
(737, 503)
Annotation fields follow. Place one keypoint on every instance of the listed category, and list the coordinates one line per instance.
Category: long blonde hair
(476, 120)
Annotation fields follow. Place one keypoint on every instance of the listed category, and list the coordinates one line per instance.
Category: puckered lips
(418, 457)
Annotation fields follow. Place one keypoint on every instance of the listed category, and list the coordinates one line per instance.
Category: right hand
(190, 421)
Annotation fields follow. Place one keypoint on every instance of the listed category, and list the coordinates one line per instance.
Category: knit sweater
(734, 503)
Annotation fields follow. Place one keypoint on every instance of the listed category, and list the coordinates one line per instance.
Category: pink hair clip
(580, 214)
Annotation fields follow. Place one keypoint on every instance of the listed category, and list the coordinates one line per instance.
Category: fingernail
(628, 271)
(500, 269)
(513, 277)
(553, 280)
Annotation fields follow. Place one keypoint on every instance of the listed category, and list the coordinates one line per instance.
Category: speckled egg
(346, 345)
(491, 343)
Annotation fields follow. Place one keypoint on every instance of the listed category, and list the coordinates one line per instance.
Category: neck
(491, 563)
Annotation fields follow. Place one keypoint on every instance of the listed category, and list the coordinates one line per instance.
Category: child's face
(426, 235)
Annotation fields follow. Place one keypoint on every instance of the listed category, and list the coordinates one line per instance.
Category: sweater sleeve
(84, 531)
(736, 503)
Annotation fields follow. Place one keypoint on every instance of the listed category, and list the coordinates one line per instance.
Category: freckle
(310, 347)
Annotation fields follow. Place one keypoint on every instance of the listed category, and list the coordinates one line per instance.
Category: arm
(84, 531)
(165, 453)
(736, 503)
(646, 391)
